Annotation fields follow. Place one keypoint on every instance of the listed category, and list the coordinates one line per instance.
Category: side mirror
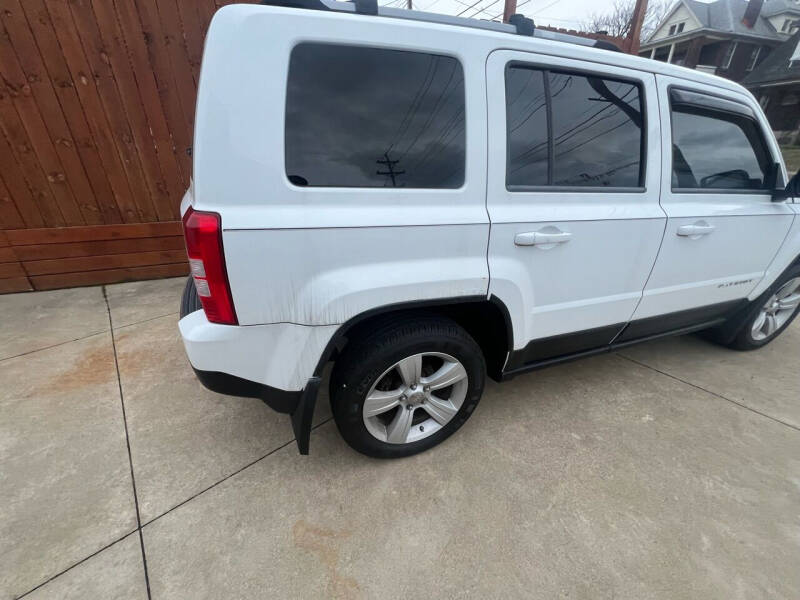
(792, 189)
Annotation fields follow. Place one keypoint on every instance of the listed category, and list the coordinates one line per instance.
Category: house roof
(776, 7)
(725, 16)
(776, 67)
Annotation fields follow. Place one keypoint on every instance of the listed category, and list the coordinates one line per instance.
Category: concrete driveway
(670, 470)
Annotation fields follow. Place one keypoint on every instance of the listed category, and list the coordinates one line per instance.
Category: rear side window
(716, 150)
(371, 117)
(570, 129)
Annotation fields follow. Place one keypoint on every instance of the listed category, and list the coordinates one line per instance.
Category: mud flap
(304, 413)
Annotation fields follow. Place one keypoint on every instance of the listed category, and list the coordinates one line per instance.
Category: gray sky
(558, 13)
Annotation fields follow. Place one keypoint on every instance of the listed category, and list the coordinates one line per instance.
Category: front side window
(716, 150)
(569, 129)
(372, 117)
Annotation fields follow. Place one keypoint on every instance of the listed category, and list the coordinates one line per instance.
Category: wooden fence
(96, 119)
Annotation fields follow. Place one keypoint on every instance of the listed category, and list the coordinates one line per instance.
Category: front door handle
(695, 230)
(542, 238)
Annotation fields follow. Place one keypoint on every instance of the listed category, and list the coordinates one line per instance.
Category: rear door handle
(695, 230)
(541, 238)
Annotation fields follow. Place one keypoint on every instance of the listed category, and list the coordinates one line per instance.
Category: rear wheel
(406, 386)
(771, 314)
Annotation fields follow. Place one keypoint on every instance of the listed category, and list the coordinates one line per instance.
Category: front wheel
(406, 386)
(773, 313)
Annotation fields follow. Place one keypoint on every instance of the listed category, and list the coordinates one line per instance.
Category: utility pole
(408, 5)
(509, 9)
(631, 45)
(390, 166)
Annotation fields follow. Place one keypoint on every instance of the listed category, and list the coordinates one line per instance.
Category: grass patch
(792, 157)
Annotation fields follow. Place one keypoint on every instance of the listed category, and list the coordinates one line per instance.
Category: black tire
(743, 340)
(366, 359)
(190, 301)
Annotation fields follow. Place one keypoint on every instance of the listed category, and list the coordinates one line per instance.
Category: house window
(751, 62)
(728, 56)
(676, 28)
(789, 26)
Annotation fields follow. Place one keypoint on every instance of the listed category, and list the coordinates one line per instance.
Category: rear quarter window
(373, 117)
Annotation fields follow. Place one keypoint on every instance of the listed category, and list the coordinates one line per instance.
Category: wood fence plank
(100, 263)
(7, 255)
(11, 269)
(23, 237)
(193, 34)
(80, 42)
(179, 121)
(50, 282)
(41, 87)
(16, 154)
(19, 91)
(17, 284)
(23, 196)
(112, 52)
(9, 215)
(174, 185)
(75, 64)
(97, 248)
(63, 87)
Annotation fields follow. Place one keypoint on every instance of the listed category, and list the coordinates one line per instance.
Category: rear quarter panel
(318, 256)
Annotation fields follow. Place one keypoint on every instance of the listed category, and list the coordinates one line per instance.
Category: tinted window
(526, 120)
(597, 131)
(716, 150)
(369, 117)
(590, 137)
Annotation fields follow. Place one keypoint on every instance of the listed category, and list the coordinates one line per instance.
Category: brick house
(730, 38)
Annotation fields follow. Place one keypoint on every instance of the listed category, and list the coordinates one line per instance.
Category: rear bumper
(223, 383)
(255, 358)
(275, 363)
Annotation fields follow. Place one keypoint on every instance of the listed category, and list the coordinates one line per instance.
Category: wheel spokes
(448, 374)
(440, 410)
(410, 369)
(379, 402)
(397, 430)
(771, 325)
(789, 289)
(759, 323)
(789, 302)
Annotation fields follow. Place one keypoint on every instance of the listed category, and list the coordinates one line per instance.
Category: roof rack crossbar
(518, 24)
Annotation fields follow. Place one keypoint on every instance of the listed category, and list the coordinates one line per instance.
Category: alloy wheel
(777, 310)
(415, 397)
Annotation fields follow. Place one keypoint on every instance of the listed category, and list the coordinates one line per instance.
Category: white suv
(425, 200)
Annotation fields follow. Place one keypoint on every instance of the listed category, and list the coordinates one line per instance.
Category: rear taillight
(203, 234)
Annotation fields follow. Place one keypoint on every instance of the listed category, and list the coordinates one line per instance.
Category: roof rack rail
(518, 24)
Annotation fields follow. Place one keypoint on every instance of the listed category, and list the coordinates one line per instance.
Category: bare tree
(617, 20)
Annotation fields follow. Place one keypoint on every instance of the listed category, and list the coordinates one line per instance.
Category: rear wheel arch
(486, 320)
